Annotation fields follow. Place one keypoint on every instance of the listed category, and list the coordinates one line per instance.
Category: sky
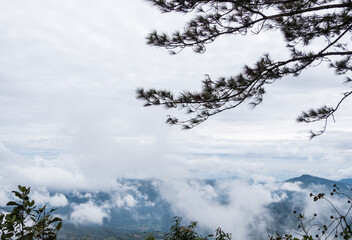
(70, 120)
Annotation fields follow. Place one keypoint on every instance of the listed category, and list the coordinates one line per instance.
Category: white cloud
(70, 119)
(240, 207)
(244, 204)
(343, 173)
(4, 198)
(89, 213)
(57, 200)
(288, 186)
(127, 201)
(130, 201)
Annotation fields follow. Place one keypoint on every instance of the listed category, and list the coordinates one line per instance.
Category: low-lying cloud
(233, 205)
(89, 213)
(239, 206)
(56, 200)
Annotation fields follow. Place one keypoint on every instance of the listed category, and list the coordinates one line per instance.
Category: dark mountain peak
(308, 176)
(305, 177)
(309, 180)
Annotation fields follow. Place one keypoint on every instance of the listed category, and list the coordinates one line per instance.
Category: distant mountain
(346, 180)
(138, 207)
(150, 212)
(308, 181)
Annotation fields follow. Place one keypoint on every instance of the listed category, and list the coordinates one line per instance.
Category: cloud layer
(70, 120)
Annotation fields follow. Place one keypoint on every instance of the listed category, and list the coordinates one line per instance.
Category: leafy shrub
(27, 221)
(180, 232)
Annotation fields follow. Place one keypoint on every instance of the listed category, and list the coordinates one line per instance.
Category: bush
(27, 221)
(180, 232)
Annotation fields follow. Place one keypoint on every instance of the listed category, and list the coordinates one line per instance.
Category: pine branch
(300, 22)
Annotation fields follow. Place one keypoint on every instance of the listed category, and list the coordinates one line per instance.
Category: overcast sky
(69, 118)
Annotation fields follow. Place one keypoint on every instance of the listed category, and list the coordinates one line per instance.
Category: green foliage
(300, 22)
(180, 232)
(150, 237)
(27, 221)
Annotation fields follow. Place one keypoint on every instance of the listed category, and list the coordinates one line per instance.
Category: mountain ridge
(307, 181)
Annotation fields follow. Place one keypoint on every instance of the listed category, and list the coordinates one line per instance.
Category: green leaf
(13, 219)
(19, 195)
(41, 222)
(12, 203)
(22, 188)
(52, 210)
(56, 219)
(31, 203)
(6, 235)
(42, 209)
(59, 226)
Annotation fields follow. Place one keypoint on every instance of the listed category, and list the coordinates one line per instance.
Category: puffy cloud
(130, 201)
(57, 200)
(127, 201)
(40, 172)
(288, 186)
(89, 213)
(343, 173)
